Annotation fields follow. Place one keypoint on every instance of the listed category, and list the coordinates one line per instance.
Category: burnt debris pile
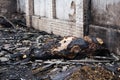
(29, 54)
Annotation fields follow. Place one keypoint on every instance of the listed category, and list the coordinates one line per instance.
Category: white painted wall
(63, 9)
(101, 4)
(41, 8)
(21, 6)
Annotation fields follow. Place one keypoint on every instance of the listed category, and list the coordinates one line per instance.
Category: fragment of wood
(38, 61)
(19, 22)
(2, 54)
(22, 48)
(3, 49)
(103, 58)
(78, 61)
(4, 59)
(117, 58)
(44, 68)
(25, 61)
(8, 21)
(90, 61)
(56, 62)
(2, 70)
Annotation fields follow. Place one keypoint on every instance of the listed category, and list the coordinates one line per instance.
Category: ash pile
(29, 54)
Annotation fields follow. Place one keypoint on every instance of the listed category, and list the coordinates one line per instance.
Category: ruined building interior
(59, 40)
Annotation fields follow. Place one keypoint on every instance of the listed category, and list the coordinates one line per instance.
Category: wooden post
(29, 12)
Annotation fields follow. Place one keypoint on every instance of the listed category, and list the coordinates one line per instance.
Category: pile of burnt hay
(92, 73)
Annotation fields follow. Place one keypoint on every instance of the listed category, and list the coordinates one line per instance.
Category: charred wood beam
(6, 22)
(78, 61)
(117, 58)
(103, 58)
(90, 61)
(3, 49)
(44, 68)
(3, 70)
(19, 22)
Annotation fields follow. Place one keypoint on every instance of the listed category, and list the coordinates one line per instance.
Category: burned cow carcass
(68, 48)
(72, 47)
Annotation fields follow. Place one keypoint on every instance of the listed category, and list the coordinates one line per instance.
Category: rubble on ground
(29, 54)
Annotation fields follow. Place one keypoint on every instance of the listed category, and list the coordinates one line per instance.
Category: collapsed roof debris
(29, 54)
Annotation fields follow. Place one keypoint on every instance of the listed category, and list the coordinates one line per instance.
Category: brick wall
(57, 26)
(7, 7)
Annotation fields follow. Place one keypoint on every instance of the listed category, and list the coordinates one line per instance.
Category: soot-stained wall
(105, 12)
(7, 7)
(105, 22)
